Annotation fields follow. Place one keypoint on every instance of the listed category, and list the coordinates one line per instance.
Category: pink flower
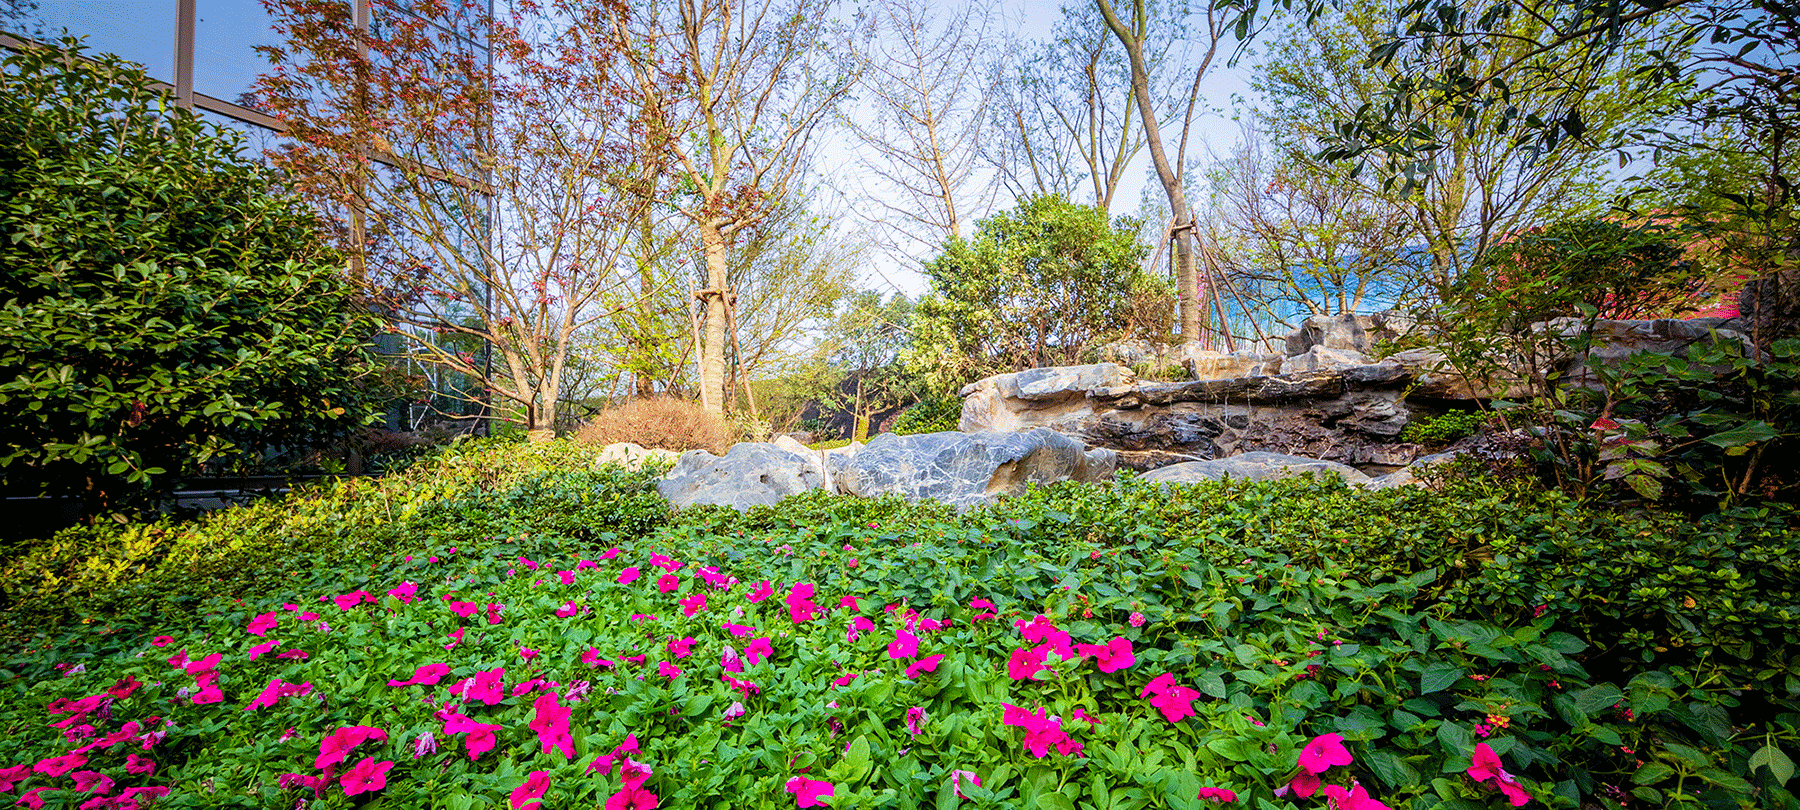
(849, 603)
(904, 645)
(1304, 784)
(1041, 730)
(735, 710)
(464, 609)
(528, 795)
(667, 670)
(1216, 795)
(336, 745)
(58, 766)
(807, 791)
(608, 554)
(425, 675)
(1111, 656)
(351, 599)
(693, 604)
(33, 799)
(162, 641)
(275, 691)
(633, 773)
(481, 735)
(915, 718)
(631, 797)
(264, 648)
(738, 630)
(799, 603)
(568, 577)
(763, 590)
(92, 782)
(262, 624)
(366, 777)
(1487, 767)
(668, 582)
(603, 764)
(858, 625)
(682, 648)
(758, 649)
(405, 592)
(424, 744)
(1323, 752)
(493, 613)
(16, 774)
(926, 664)
(1356, 798)
(1025, 663)
(956, 780)
(1176, 702)
(1136, 620)
(629, 575)
(551, 722)
(487, 687)
(134, 764)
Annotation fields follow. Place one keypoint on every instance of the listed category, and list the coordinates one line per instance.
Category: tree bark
(711, 352)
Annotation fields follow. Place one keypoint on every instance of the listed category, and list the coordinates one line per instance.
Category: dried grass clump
(659, 423)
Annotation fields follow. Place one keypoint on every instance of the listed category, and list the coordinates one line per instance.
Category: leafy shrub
(934, 415)
(160, 303)
(1440, 430)
(663, 423)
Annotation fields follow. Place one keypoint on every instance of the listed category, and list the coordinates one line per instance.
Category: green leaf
(1776, 761)
(1651, 773)
(1393, 771)
(1747, 433)
(1438, 677)
(1598, 698)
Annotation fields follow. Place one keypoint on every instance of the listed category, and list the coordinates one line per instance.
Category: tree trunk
(711, 351)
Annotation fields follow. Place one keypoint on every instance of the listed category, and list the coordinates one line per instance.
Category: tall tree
(483, 171)
(737, 91)
(1135, 36)
(928, 87)
(1484, 182)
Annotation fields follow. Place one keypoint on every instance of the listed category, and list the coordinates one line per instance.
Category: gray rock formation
(1026, 399)
(1357, 333)
(1409, 476)
(749, 474)
(1253, 466)
(1206, 364)
(631, 455)
(964, 469)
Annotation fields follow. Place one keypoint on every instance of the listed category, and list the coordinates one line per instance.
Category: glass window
(226, 33)
(143, 32)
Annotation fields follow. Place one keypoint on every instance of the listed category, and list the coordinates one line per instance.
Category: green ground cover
(502, 624)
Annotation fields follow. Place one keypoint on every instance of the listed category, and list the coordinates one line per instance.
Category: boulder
(1322, 358)
(1408, 476)
(1039, 396)
(1130, 352)
(1357, 333)
(1206, 364)
(965, 469)
(631, 455)
(793, 445)
(749, 474)
(1254, 466)
(1616, 340)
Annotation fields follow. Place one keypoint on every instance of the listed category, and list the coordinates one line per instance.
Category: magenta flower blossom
(481, 735)
(693, 603)
(915, 720)
(1323, 752)
(529, 794)
(608, 554)
(34, 799)
(1355, 798)
(632, 797)
(262, 624)
(629, 575)
(367, 776)
(264, 648)
(667, 670)
(926, 664)
(162, 641)
(956, 780)
(1025, 663)
(904, 645)
(487, 687)
(763, 590)
(1175, 701)
(1487, 767)
(464, 609)
(807, 791)
(603, 764)
(758, 649)
(1111, 656)
(347, 601)
(849, 603)
(983, 605)
(845, 679)
(746, 687)
(58, 766)
(527, 653)
(568, 609)
(1035, 631)
(1137, 620)
(1214, 794)
(134, 764)
(681, 647)
(406, 591)
(730, 660)
(337, 744)
(732, 712)
(738, 630)
(14, 775)
(1041, 731)
(551, 722)
(668, 582)
(92, 782)
(799, 603)
(858, 625)
(425, 675)
(665, 563)
(493, 613)
(275, 691)
(424, 745)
